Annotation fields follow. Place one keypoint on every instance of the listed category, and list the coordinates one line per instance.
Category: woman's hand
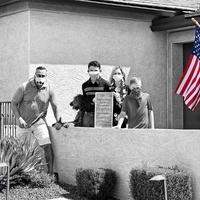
(117, 97)
(116, 94)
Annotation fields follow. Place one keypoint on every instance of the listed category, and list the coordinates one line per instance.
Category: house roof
(169, 14)
(171, 5)
(166, 14)
(187, 5)
(174, 4)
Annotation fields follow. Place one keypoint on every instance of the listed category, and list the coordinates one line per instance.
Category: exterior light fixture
(160, 178)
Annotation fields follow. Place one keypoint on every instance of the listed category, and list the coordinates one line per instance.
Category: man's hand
(22, 123)
(57, 125)
(60, 124)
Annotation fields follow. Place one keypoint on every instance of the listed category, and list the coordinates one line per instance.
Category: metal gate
(7, 120)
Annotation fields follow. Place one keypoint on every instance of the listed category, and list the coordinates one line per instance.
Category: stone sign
(103, 109)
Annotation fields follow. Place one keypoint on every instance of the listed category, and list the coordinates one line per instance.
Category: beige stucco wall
(122, 150)
(64, 38)
(14, 53)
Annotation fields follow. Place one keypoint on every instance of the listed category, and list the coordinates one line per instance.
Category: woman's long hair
(111, 80)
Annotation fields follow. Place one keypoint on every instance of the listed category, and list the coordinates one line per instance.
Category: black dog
(78, 104)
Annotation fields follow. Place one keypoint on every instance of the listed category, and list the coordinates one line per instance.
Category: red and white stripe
(189, 84)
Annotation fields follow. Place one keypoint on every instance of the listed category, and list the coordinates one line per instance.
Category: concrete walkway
(62, 198)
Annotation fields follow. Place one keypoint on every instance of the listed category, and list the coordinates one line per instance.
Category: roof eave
(181, 21)
(139, 5)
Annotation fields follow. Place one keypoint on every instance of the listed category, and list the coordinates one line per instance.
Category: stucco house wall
(122, 150)
(64, 38)
(14, 52)
(59, 38)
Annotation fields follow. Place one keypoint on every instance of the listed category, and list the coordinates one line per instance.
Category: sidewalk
(62, 198)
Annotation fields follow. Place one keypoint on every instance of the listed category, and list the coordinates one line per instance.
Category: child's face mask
(136, 89)
(93, 72)
(136, 92)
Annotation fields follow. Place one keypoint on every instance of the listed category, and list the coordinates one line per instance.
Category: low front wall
(122, 150)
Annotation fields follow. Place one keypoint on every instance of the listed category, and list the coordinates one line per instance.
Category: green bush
(179, 184)
(41, 179)
(96, 184)
(23, 156)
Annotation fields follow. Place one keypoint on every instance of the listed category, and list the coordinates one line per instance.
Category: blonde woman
(120, 90)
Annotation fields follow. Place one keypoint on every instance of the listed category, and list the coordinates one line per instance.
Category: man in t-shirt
(137, 106)
(29, 105)
(95, 84)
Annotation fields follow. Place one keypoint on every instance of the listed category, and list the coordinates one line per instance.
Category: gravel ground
(55, 190)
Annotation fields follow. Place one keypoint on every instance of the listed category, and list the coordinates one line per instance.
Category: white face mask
(117, 77)
(92, 73)
(39, 81)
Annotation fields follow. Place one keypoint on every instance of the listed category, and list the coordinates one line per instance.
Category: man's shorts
(39, 130)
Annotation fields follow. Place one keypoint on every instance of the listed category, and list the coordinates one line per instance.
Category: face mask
(117, 78)
(93, 74)
(39, 81)
(136, 92)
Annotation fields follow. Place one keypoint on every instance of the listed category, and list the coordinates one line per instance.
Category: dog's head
(78, 102)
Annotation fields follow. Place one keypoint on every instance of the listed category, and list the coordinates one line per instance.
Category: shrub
(179, 184)
(23, 155)
(97, 184)
(41, 179)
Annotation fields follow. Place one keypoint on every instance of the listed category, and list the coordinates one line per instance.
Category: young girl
(120, 90)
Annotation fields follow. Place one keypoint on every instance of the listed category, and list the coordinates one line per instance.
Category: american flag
(189, 84)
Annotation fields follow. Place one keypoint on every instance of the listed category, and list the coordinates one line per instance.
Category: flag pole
(195, 21)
